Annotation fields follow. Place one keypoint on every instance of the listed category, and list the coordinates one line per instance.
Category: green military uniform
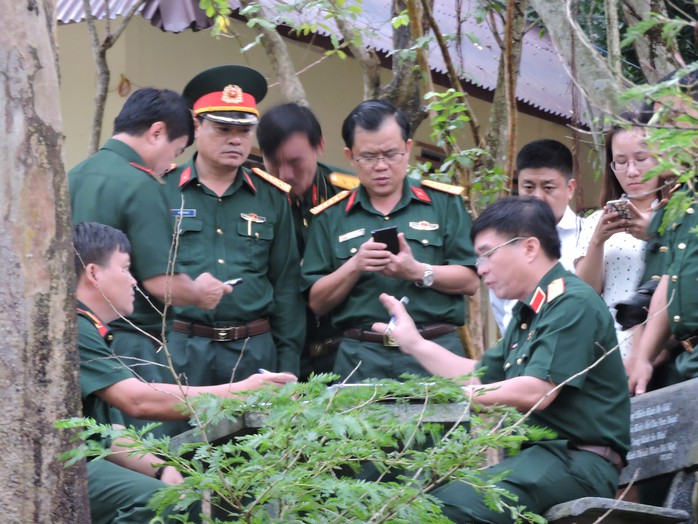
(681, 265)
(117, 494)
(562, 329)
(247, 233)
(436, 226)
(112, 187)
(321, 339)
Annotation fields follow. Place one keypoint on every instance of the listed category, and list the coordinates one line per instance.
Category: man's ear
(91, 274)
(571, 186)
(408, 146)
(348, 154)
(320, 149)
(155, 131)
(532, 248)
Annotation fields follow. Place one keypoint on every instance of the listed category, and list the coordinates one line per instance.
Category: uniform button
(256, 235)
(690, 211)
(524, 326)
(677, 318)
(681, 245)
(656, 278)
(352, 250)
(507, 365)
(519, 361)
(220, 200)
(387, 217)
(674, 278)
(221, 261)
(219, 231)
(110, 338)
(663, 249)
(425, 242)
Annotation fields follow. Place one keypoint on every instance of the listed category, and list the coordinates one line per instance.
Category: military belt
(427, 332)
(223, 334)
(605, 452)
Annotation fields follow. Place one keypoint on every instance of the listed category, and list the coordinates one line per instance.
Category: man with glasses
(552, 361)
(432, 263)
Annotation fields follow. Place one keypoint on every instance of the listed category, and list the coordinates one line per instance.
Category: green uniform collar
(411, 190)
(100, 326)
(539, 295)
(188, 174)
(125, 151)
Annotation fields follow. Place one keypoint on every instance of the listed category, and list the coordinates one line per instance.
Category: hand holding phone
(620, 206)
(387, 236)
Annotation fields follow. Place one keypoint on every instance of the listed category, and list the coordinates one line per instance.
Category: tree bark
(656, 58)
(593, 76)
(39, 374)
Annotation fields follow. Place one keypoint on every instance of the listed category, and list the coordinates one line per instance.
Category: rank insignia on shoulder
(185, 176)
(283, 186)
(555, 289)
(344, 180)
(537, 300)
(445, 188)
(330, 202)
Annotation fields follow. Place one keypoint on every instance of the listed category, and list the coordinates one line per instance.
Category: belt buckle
(222, 334)
(389, 340)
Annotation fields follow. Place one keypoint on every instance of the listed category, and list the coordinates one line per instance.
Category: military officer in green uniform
(432, 263)
(291, 141)
(560, 328)
(235, 223)
(120, 487)
(120, 186)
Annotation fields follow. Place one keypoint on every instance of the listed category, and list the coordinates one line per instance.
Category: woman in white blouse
(611, 250)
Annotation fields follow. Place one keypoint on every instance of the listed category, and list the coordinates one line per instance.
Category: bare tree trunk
(39, 374)
(657, 59)
(501, 130)
(594, 78)
(99, 53)
(280, 61)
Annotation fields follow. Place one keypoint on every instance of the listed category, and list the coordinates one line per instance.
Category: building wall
(147, 56)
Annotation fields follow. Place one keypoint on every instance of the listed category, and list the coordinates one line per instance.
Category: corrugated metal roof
(543, 82)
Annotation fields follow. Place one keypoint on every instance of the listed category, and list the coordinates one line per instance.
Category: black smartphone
(387, 236)
(234, 282)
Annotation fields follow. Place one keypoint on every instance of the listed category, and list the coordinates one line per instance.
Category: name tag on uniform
(352, 234)
(187, 213)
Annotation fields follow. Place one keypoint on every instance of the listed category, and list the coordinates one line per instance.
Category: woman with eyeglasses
(611, 250)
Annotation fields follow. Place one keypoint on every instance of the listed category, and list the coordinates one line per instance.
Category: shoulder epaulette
(149, 171)
(444, 188)
(344, 180)
(330, 202)
(283, 186)
(555, 289)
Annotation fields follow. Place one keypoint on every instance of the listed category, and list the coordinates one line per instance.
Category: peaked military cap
(228, 94)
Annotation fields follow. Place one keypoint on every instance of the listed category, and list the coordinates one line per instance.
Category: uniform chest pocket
(255, 240)
(191, 242)
(430, 241)
(348, 248)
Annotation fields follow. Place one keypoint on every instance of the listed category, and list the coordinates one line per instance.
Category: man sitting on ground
(122, 486)
(559, 330)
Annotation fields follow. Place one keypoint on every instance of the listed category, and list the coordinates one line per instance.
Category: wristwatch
(427, 278)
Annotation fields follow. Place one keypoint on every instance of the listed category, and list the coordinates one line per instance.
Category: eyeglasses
(487, 254)
(620, 168)
(368, 161)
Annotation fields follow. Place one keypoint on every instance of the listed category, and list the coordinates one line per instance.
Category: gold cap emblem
(232, 94)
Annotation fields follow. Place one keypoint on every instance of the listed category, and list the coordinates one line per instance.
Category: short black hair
(370, 115)
(149, 105)
(282, 121)
(95, 244)
(523, 216)
(546, 153)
